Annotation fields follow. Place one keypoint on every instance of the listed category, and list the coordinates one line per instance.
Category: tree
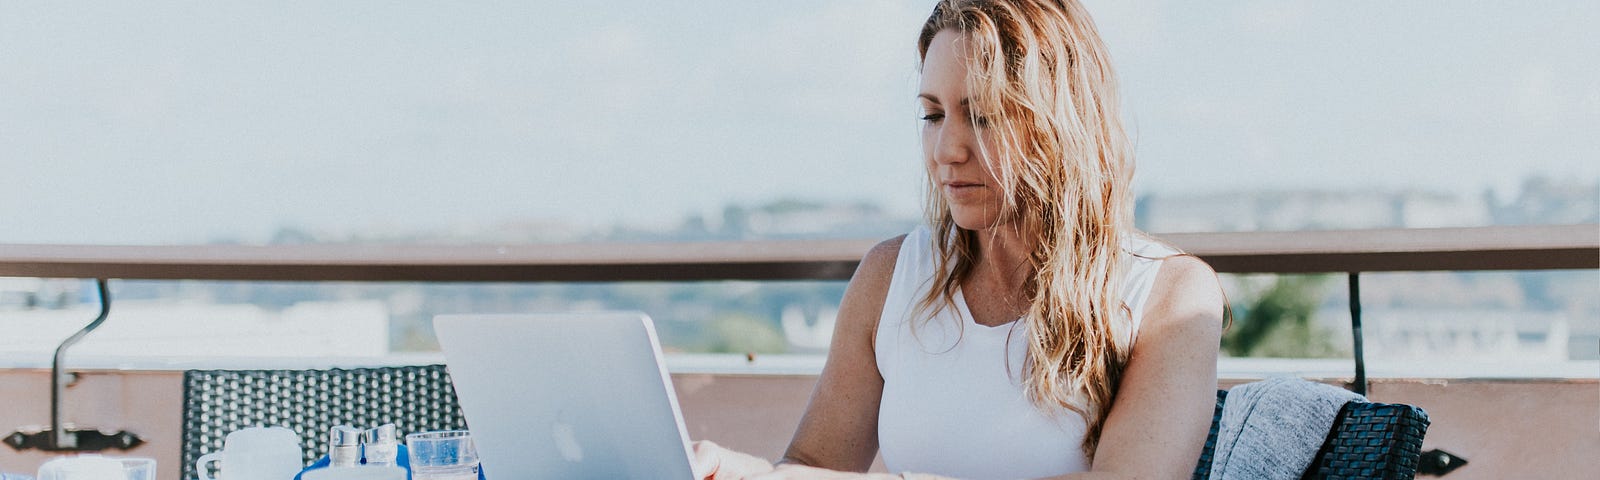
(1278, 323)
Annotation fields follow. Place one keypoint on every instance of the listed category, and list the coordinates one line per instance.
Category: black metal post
(1360, 385)
(59, 436)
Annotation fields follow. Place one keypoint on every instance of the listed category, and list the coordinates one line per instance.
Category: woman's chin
(974, 222)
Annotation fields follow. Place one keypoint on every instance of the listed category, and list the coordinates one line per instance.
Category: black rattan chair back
(1202, 470)
(1379, 441)
(1372, 440)
(216, 402)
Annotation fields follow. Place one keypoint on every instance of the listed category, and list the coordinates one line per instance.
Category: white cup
(256, 453)
(95, 467)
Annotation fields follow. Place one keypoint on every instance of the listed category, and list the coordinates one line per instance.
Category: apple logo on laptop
(566, 441)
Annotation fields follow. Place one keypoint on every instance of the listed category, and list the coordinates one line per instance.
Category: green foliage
(739, 333)
(413, 338)
(1278, 323)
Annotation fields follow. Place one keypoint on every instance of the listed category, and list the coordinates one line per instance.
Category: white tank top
(950, 406)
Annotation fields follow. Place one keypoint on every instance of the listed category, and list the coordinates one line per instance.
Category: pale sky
(183, 121)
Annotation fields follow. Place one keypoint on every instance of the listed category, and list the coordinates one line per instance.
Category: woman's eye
(980, 121)
(933, 117)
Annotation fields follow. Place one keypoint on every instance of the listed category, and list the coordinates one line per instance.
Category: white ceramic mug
(95, 467)
(255, 453)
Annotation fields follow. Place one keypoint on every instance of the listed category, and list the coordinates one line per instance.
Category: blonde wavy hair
(1041, 72)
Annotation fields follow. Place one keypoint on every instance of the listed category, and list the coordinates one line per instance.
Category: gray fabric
(1272, 429)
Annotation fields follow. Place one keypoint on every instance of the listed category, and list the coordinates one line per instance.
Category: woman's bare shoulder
(883, 255)
(863, 299)
(872, 276)
(1186, 288)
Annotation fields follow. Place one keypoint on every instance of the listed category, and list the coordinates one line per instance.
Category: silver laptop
(578, 395)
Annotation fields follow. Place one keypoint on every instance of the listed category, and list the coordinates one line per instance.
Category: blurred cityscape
(1518, 317)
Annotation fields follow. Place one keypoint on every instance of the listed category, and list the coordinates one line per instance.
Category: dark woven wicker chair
(215, 402)
(1368, 441)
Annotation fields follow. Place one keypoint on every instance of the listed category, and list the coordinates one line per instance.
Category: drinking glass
(82, 467)
(139, 468)
(446, 455)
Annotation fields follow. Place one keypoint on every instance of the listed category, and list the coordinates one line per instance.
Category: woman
(1029, 331)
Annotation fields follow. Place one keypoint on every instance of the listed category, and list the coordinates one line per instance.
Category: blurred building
(1538, 201)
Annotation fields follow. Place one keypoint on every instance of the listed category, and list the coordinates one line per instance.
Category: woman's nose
(953, 144)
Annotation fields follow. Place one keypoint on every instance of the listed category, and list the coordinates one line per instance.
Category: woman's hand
(712, 462)
(801, 472)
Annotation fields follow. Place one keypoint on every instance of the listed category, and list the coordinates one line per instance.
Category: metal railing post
(60, 437)
(1360, 384)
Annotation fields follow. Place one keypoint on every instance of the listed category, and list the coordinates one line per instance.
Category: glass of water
(446, 455)
(139, 468)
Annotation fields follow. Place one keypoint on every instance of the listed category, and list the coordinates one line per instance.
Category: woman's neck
(1003, 256)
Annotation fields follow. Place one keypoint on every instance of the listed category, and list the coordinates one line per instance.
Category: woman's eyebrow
(931, 98)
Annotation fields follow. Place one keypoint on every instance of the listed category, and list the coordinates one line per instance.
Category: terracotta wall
(1508, 429)
(147, 403)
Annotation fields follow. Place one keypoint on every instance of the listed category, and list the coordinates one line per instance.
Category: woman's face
(953, 128)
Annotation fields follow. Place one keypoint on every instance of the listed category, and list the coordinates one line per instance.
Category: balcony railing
(1440, 249)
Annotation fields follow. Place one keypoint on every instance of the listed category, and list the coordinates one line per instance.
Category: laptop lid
(573, 395)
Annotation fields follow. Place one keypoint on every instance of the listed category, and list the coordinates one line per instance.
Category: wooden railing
(1441, 249)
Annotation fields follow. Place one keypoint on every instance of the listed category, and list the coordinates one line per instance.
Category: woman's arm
(840, 427)
(1162, 413)
(839, 430)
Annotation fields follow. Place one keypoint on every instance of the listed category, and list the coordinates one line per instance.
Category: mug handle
(200, 465)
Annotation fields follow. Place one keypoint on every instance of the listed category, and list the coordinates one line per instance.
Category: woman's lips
(961, 190)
